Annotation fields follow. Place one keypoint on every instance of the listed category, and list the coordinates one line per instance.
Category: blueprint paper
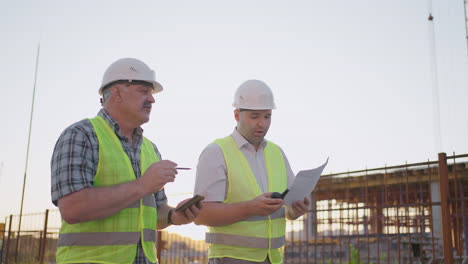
(304, 184)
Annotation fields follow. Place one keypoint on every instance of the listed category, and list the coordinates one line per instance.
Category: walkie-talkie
(278, 195)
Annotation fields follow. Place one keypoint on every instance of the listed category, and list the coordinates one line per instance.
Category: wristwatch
(169, 217)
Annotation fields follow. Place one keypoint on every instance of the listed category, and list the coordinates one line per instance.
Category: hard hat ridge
(254, 95)
(129, 69)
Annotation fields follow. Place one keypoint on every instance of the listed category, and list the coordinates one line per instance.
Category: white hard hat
(254, 95)
(129, 69)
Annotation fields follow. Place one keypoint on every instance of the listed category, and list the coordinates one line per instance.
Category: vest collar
(137, 133)
(242, 142)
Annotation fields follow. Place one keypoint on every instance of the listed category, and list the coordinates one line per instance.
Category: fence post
(3, 230)
(44, 238)
(444, 202)
(159, 245)
(8, 240)
(39, 248)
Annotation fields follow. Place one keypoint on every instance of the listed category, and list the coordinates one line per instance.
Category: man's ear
(116, 93)
(236, 114)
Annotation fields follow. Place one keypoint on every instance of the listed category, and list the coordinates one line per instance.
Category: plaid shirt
(75, 160)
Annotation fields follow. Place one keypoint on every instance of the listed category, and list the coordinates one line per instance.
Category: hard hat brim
(157, 87)
(255, 108)
(251, 108)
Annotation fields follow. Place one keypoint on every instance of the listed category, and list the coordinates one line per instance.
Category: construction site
(411, 213)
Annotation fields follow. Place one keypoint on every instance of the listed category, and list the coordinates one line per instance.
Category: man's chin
(259, 136)
(145, 119)
(259, 140)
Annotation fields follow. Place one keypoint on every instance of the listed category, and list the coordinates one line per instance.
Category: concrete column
(445, 209)
(436, 214)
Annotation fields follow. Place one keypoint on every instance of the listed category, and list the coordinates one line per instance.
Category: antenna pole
(465, 4)
(29, 141)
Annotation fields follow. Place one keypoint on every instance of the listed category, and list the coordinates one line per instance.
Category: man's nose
(151, 99)
(261, 122)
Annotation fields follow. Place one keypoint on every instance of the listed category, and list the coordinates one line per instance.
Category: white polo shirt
(211, 177)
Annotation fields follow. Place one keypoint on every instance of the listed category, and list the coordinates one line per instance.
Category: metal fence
(412, 213)
(37, 242)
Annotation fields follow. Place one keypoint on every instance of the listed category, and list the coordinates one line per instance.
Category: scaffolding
(411, 213)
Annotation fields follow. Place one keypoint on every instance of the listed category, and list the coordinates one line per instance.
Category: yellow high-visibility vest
(115, 238)
(255, 238)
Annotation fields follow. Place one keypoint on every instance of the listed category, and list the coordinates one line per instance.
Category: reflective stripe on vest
(115, 238)
(243, 241)
(257, 237)
(111, 238)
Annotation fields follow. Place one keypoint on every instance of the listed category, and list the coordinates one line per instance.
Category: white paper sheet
(304, 184)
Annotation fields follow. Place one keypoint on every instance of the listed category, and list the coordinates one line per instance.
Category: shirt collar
(137, 133)
(242, 142)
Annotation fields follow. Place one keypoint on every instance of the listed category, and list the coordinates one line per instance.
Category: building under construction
(412, 213)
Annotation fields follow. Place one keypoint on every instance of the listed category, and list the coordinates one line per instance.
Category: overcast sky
(352, 79)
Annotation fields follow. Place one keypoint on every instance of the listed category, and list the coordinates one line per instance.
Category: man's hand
(186, 216)
(157, 175)
(297, 209)
(264, 205)
(221, 214)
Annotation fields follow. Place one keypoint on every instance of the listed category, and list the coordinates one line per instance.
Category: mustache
(146, 104)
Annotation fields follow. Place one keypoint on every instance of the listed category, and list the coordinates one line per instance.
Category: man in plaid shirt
(108, 180)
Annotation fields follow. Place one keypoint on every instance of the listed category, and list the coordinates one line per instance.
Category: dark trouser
(235, 261)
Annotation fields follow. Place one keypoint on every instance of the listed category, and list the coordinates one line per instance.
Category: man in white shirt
(237, 175)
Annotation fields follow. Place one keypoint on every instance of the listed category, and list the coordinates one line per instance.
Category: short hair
(106, 91)
(106, 94)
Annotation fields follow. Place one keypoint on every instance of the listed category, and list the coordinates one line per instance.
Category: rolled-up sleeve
(211, 174)
(73, 162)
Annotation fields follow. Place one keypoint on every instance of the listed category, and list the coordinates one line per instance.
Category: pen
(182, 168)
